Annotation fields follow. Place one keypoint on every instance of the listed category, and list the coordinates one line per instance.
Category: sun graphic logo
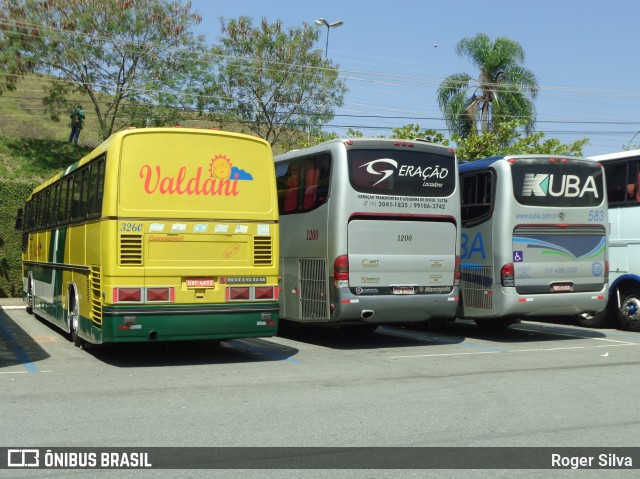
(220, 167)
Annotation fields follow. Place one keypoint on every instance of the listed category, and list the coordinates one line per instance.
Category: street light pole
(322, 22)
(632, 138)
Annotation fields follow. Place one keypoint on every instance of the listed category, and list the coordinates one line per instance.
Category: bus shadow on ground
(16, 346)
(384, 337)
(190, 353)
(523, 332)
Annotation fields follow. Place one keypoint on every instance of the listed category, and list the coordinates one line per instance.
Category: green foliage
(30, 159)
(508, 140)
(504, 88)
(121, 54)
(412, 131)
(12, 197)
(24, 164)
(274, 80)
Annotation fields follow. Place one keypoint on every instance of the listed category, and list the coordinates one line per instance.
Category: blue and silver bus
(534, 239)
(369, 232)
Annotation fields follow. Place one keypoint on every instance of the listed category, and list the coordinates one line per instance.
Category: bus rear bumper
(394, 308)
(189, 322)
(552, 304)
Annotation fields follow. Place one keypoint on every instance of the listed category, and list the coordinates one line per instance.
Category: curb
(7, 308)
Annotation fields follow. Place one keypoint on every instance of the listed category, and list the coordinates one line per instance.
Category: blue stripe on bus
(17, 350)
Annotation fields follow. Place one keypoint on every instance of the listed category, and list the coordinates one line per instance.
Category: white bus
(534, 239)
(369, 232)
(621, 177)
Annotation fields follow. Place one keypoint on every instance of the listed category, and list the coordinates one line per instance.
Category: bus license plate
(404, 290)
(201, 283)
(562, 287)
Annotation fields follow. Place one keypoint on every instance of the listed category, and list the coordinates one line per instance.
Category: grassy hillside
(30, 159)
(22, 115)
(24, 163)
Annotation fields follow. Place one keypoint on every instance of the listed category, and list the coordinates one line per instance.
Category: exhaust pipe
(153, 334)
(367, 313)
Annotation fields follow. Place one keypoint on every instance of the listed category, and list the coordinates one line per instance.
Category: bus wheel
(629, 310)
(593, 320)
(495, 323)
(73, 316)
(30, 296)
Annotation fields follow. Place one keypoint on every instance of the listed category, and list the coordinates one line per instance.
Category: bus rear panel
(538, 248)
(385, 240)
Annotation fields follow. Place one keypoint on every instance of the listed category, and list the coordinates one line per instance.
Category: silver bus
(622, 177)
(534, 239)
(369, 232)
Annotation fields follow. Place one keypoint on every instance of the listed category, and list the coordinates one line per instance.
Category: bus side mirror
(19, 219)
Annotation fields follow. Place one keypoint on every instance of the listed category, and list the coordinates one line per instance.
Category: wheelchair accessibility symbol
(517, 257)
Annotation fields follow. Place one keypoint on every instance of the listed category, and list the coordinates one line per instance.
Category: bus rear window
(400, 172)
(539, 182)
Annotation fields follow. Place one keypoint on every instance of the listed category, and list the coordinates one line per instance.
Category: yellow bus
(159, 234)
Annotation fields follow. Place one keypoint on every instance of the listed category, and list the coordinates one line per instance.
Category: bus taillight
(606, 271)
(238, 293)
(456, 272)
(127, 295)
(341, 271)
(160, 294)
(265, 292)
(507, 275)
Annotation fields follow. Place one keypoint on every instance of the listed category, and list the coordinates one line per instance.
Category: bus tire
(30, 295)
(495, 323)
(593, 320)
(73, 317)
(628, 311)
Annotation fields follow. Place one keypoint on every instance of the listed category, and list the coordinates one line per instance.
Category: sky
(394, 55)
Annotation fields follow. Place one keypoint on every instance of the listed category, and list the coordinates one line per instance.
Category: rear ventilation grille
(313, 288)
(96, 296)
(475, 286)
(130, 250)
(262, 251)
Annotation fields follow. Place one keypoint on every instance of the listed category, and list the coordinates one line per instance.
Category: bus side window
(617, 183)
(292, 181)
(477, 195)
(632, 186)
(311, 188)
(324, 165)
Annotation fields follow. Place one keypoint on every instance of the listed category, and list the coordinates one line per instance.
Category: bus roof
(616, 156)
(119, 135)
(369, 142)
(477, 165)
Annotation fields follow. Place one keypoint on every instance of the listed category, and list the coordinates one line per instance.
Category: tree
(412, 131)
(507, 140)
(133, 59)
(504, 89)
(274, 80)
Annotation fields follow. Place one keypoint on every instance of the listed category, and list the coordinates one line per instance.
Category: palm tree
(504, 89)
